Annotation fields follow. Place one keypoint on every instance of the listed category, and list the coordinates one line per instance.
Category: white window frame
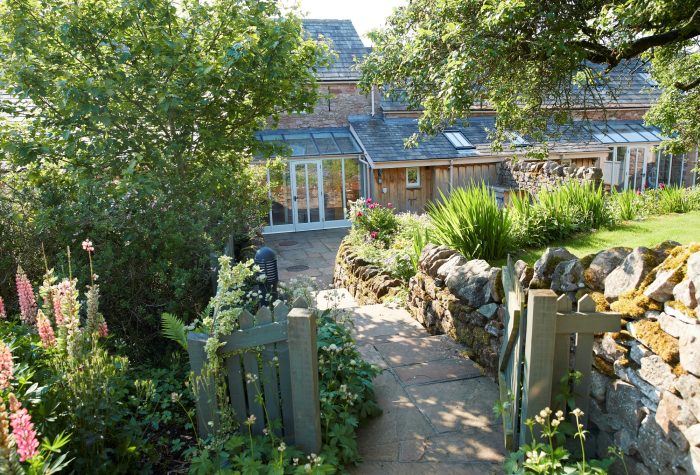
(458, 140)
(417, 183)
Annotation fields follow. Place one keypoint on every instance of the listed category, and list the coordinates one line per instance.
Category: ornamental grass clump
(470, 221)
(675, 199)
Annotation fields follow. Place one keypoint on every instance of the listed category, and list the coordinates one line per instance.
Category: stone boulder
(689, 388)
(455, 261)
(433, 257)
(682, 314)
(661, 289)
(686, 293)
(567, 276)
(545, 266)
(524, 273)
(630, 274)
(471, 282)
(689, 349)
(693, 272)
(602, 265)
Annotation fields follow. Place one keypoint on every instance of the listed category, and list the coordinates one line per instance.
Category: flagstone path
(437, 403)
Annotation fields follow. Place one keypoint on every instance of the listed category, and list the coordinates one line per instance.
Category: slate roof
(383, 139)
(629, 85)
(345, 42)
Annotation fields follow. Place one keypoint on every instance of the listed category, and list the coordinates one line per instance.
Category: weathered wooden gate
(536, 351)
(271, 359)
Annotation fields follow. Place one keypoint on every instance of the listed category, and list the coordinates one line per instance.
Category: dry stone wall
(646, 377)
(532, 176)
(368, 283)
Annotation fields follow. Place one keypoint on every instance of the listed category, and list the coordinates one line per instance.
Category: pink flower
(662, 186)
(43, 325)
(27, 301)
(369, 200)
(389, 205)
(23, 430)
(6, 366)
(359, 214)
(374, 234)
(102, 330)
(57, 313)
(87, 246)
(3, 314)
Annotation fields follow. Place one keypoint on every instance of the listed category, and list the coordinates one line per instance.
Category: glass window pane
(346, 142)
(302, 144)
(333, 190)
(326, 144)
(413, 177)
(281, 192)
(352, 181)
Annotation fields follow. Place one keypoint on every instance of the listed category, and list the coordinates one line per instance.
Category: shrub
(377, 223)
(471, 222)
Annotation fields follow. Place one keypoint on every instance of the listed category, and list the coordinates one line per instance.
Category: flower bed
(71, 402)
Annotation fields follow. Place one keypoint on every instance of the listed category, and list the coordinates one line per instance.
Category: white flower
(282, 447)
(577, 412)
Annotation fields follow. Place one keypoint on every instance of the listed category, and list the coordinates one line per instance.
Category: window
(413, 177)
(458, 140)
(517, 140)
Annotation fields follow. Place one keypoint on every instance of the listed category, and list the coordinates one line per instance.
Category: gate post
(539, 355)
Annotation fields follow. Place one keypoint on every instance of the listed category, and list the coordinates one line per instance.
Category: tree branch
(687, 86)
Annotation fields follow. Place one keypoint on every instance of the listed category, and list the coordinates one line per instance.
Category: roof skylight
(458, 140)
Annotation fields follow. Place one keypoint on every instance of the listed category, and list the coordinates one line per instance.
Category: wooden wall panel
(403, 198)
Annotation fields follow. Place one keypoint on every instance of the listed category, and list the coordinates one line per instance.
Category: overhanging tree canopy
(534, 61)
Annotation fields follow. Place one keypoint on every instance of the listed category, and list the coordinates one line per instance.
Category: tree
(132, 122)
(533, 61)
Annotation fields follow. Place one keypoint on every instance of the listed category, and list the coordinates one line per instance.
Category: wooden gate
(536, 351)
(271, 359)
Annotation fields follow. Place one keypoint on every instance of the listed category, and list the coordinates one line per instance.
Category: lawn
(683, 228)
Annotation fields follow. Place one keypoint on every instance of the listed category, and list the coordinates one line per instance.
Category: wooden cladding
(432, 180)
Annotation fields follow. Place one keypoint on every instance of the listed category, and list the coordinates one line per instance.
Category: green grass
(684, 228)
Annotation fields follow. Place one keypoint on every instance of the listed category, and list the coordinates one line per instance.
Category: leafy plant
(625, 205)
(377, 222)
(470, 221)
(174, 329)
(675, 199)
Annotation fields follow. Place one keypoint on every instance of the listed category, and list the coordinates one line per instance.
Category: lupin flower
(27, 301)
(57, 313)
(87, 246)
(102, 330)
(4, 428)
(23, 430)
(46, 334)
(3, 314)
(6, 366)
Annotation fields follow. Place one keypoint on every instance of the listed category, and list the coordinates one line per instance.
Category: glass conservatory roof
(625, 132)
(313, 142)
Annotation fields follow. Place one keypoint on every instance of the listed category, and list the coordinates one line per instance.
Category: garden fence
(536, 352)
(271, 359)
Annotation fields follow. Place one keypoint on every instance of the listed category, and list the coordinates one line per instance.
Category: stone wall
(461, 299)
(531, 176)
(338, 101)
(366, 282)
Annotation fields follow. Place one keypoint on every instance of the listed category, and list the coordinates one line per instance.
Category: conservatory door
(307, 195)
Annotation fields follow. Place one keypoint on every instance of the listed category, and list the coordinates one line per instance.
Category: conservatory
(322, 172)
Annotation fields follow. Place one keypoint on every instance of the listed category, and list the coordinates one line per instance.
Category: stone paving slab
(455, 405)
(437, 404)
(436, 371)
(410, 350)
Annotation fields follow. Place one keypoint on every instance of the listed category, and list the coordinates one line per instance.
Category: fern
(174, 329)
